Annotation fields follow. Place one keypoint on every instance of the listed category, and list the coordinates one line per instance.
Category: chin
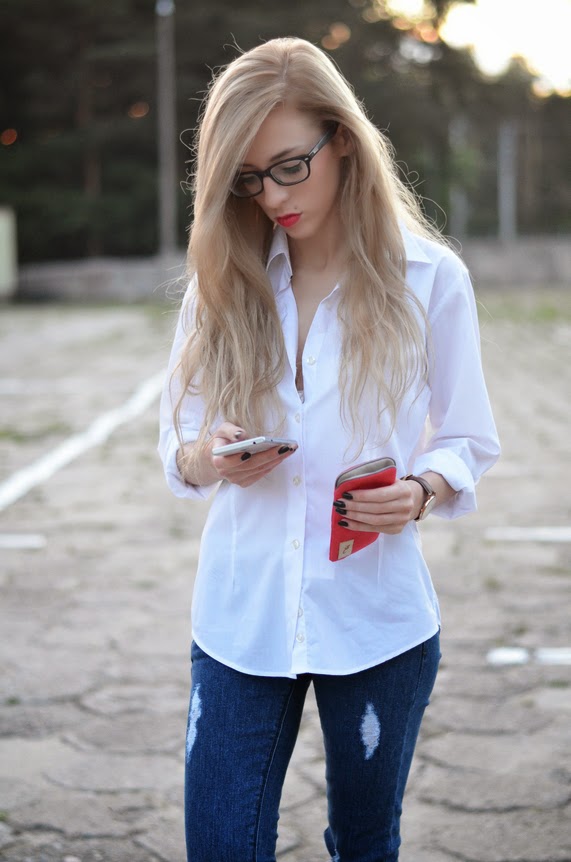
(300, 231)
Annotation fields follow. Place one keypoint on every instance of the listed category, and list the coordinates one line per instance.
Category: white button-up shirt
(267, 600)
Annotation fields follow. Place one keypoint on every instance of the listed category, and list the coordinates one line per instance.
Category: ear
(343, 141)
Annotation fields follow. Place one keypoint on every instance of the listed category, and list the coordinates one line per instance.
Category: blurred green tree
(78, 76)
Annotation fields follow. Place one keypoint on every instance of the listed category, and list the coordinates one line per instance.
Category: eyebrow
(275, 158)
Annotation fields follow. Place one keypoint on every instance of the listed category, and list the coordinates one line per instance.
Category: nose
(274, 194)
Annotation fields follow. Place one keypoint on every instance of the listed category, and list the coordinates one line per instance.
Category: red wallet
(372, 474)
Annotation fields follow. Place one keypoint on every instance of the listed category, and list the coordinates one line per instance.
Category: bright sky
(497, 30)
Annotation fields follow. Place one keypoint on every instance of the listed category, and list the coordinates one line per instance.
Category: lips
(289, 220)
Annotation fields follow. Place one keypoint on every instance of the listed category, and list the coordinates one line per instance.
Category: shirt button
(295, 544)
(296, 480)
(299, 638)
(297, 417)
(311, 360)
(300, 612)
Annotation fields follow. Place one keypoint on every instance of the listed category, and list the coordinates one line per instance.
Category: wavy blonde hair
(234, 356)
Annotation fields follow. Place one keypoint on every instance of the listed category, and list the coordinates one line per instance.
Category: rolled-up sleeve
(464, 441)
(191, 414)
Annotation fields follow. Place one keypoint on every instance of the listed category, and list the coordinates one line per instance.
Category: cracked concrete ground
(95, 625)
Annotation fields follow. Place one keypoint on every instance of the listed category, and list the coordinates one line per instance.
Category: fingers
(244, 471)
(227, 433)
(387, 524)
(243, 468)
(399, 490)
(375, 514)
(247, 475)
(390, 498)
(246, 461)
(385, 510)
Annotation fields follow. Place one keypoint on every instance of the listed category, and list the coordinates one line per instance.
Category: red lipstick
(289, 220)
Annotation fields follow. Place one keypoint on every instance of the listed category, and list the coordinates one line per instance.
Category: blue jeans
(241, 734)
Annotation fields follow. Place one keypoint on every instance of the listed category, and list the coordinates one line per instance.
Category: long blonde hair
(235, 355)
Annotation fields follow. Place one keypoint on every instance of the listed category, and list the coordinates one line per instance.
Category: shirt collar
(412, 247)
(278, 266)
(279, 247)
(279, 250)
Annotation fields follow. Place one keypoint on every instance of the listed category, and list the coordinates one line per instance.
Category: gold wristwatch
(429, 500)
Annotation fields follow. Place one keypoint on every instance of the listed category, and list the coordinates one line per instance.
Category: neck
(320, 253)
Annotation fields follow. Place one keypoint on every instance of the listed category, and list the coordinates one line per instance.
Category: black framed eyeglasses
(288, 172)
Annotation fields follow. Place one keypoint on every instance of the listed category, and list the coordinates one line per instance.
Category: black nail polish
(341, 507)
(283, 450)
(245, 456)
(346, 495)
(343, 523)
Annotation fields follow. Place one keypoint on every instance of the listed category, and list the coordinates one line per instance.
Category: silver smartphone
(253, 445)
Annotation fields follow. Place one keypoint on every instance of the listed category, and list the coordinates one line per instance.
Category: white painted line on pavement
(520, 655)
(98, 432)
(19, 386)
(22, 541)
(508, 655)
(528, 534)
(553, 655)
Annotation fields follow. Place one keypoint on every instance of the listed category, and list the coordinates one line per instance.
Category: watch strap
(428, 490)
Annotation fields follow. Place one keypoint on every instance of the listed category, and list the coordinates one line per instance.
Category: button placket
(300, 632)
(296, 529)
(312, 349)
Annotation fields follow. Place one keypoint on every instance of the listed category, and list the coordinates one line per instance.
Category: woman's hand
(243, 469)
(382, 510)
(240, 469)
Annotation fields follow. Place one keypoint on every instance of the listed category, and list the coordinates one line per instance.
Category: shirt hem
(236, 666)
(318, 671)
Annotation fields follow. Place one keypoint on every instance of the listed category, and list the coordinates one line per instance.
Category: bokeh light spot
(138, 110)
(8, 137)
(339, 33)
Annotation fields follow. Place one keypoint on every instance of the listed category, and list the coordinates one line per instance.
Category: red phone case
(371, 474)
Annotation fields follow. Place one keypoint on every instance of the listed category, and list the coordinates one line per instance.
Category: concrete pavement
(95, 619)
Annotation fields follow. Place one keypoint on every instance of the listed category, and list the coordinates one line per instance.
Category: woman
(323, 308)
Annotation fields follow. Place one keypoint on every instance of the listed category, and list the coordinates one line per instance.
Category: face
(310, 207)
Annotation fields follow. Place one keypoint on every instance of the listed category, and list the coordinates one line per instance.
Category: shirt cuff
(176, 483)
(454, 470)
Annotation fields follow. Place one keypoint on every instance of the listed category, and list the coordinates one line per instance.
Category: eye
(290, 169)
(245, 183)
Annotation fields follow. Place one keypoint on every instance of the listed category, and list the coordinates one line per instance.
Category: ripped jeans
(241, 734)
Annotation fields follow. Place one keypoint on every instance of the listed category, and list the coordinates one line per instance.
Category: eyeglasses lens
(246, 185)
(287, 173)
(291, 172)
